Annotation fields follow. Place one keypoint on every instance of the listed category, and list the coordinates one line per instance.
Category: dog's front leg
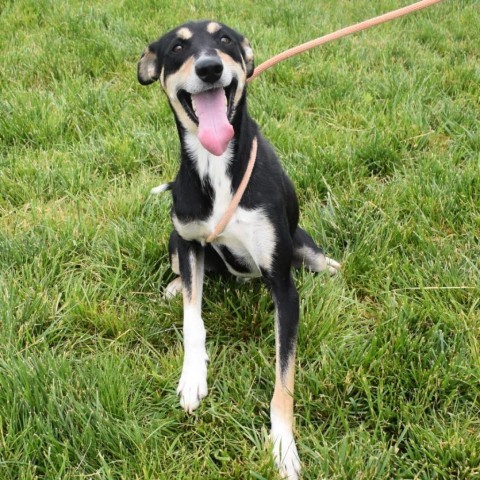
(281, 408)
(193, 382)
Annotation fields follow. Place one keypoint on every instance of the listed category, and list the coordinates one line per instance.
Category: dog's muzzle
(211, 106)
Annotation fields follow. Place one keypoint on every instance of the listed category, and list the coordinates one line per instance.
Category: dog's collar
(218, 230)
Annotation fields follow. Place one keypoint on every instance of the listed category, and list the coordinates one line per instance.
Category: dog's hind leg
(175, 286)
(306, 252)
(213, 263)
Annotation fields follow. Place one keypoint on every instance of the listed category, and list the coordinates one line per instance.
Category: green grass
(380, 133)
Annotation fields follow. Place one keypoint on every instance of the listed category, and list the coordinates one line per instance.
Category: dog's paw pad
(285, 456)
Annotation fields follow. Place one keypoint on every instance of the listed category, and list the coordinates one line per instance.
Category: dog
(203, 68)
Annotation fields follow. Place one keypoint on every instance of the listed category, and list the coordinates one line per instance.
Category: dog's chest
(249, 235)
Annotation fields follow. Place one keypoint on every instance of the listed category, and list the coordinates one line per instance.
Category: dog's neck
(204, 162)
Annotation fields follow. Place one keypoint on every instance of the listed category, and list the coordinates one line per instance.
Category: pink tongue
(214, 130)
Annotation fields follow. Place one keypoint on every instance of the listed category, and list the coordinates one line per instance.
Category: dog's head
(203, 68)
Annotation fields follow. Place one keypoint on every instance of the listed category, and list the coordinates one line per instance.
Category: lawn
(380, 133)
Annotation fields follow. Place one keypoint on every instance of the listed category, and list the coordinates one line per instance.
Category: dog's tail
(161, 188)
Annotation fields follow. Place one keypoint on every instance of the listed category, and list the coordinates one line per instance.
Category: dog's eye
(226, 40)
(177, 48)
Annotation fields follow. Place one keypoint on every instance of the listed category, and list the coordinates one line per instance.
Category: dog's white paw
(193, 382)
(315, 260)
(173, 288)
(332, 265)
(285, 455)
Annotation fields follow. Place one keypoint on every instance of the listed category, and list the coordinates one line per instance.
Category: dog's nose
(209, 69)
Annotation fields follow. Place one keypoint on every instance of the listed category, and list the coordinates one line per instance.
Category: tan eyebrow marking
(213, 27)
(184, 33)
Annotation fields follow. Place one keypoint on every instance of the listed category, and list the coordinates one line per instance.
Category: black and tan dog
(203, 68)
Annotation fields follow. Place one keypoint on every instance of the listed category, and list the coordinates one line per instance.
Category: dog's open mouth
(212, 111)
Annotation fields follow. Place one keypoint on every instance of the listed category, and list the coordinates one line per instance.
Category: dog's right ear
(149, 69)
(248, 57)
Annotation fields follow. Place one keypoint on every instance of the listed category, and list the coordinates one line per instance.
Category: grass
(380, 133)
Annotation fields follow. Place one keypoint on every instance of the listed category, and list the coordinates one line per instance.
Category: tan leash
(288, 54)
(237, 197)
(343, 32)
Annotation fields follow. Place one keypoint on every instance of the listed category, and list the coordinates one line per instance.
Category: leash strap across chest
(227, 216)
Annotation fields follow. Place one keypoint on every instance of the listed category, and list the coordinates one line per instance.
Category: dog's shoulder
(270, 183)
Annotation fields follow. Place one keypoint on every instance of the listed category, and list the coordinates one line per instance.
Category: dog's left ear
(148, 70)
(248, 57)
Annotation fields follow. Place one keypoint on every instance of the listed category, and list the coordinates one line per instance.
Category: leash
(343, 32)
(238, 195)
(288, 54)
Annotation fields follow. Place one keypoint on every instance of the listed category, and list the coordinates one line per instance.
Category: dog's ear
(248, 57)
(148, 70)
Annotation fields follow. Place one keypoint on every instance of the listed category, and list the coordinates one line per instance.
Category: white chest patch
(249, 235)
